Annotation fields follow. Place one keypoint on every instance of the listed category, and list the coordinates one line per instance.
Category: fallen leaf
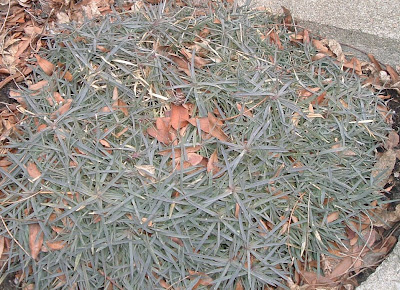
(182, 64)
(58, 98)
(245, 111)
(55, 245)
(105, 143)
(198, 61)
(332, 217)
(308, 92)
(353, 64)
(178, 151)
(319, 99)
(274, 38)
(383, 167)
(288, 20)
(146, 170)
(205, 280)
(161, 132)
(179, 117)
(239, 285)
(67, 76)
(375, 62)
(62, 110)
(194, 158)
(33, 171)
(342, 268)
(320, 46)
(392, 140)
(203, 122)
(123, 107)
(35, 239)
(41, 127)
(393, 74)
(45, 65)
(383, 110)
(215, 128)
(212, 161)
(38, 85)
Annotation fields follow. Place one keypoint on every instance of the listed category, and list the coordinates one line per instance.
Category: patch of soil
(8, 283)
(5, 92)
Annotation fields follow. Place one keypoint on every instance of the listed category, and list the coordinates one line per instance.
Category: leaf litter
(200, 153)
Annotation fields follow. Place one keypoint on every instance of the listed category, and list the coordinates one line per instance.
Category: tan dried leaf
(45, 65)
(35, 239)
(62, 110)
(33, 171)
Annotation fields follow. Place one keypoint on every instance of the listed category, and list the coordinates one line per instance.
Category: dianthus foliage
(106, 188)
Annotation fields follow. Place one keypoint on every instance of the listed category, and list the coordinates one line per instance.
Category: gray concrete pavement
(369, 25)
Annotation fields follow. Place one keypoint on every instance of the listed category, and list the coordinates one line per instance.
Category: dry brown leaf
(320, 46)
(205, 280)
(56, 245)
(35, 239)
(319, 99)
(246, 112)
(212, 161)
(332, 217)
(393, 74)
(353, 64)
(38, 85)
(105, 143)
(203, 123)
(194, 158)
(33, 171)
(392, 141)
(181, 63)
(146, 170)
(41, 127)
(239, 285)
(179, 117)
(161, 132)
(5, 163)
(274, 38)
(383, 110)
(335, 48)
(384, 167)
(199, 62)
(375, 62)
(342, 268)
(62, 110)
(45, 65)
(308, 92)
(215, 128)
(178, 151)
(123, 107)
(68, 76)
(58, 98)
(318, 56)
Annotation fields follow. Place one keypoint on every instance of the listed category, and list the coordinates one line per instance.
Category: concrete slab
(368, 25)
(387, 275)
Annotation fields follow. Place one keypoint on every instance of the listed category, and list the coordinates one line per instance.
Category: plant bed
(181, 147)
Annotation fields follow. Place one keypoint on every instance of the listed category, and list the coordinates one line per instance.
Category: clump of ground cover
(104, 190)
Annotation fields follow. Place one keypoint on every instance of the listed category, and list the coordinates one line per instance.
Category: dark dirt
(8, 283)
(5, 92)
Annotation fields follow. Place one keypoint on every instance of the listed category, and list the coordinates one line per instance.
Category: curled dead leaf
(62, 110)
(179, 117)
(56, 245)
(33, 171)
(45, 65)
(35, 239)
